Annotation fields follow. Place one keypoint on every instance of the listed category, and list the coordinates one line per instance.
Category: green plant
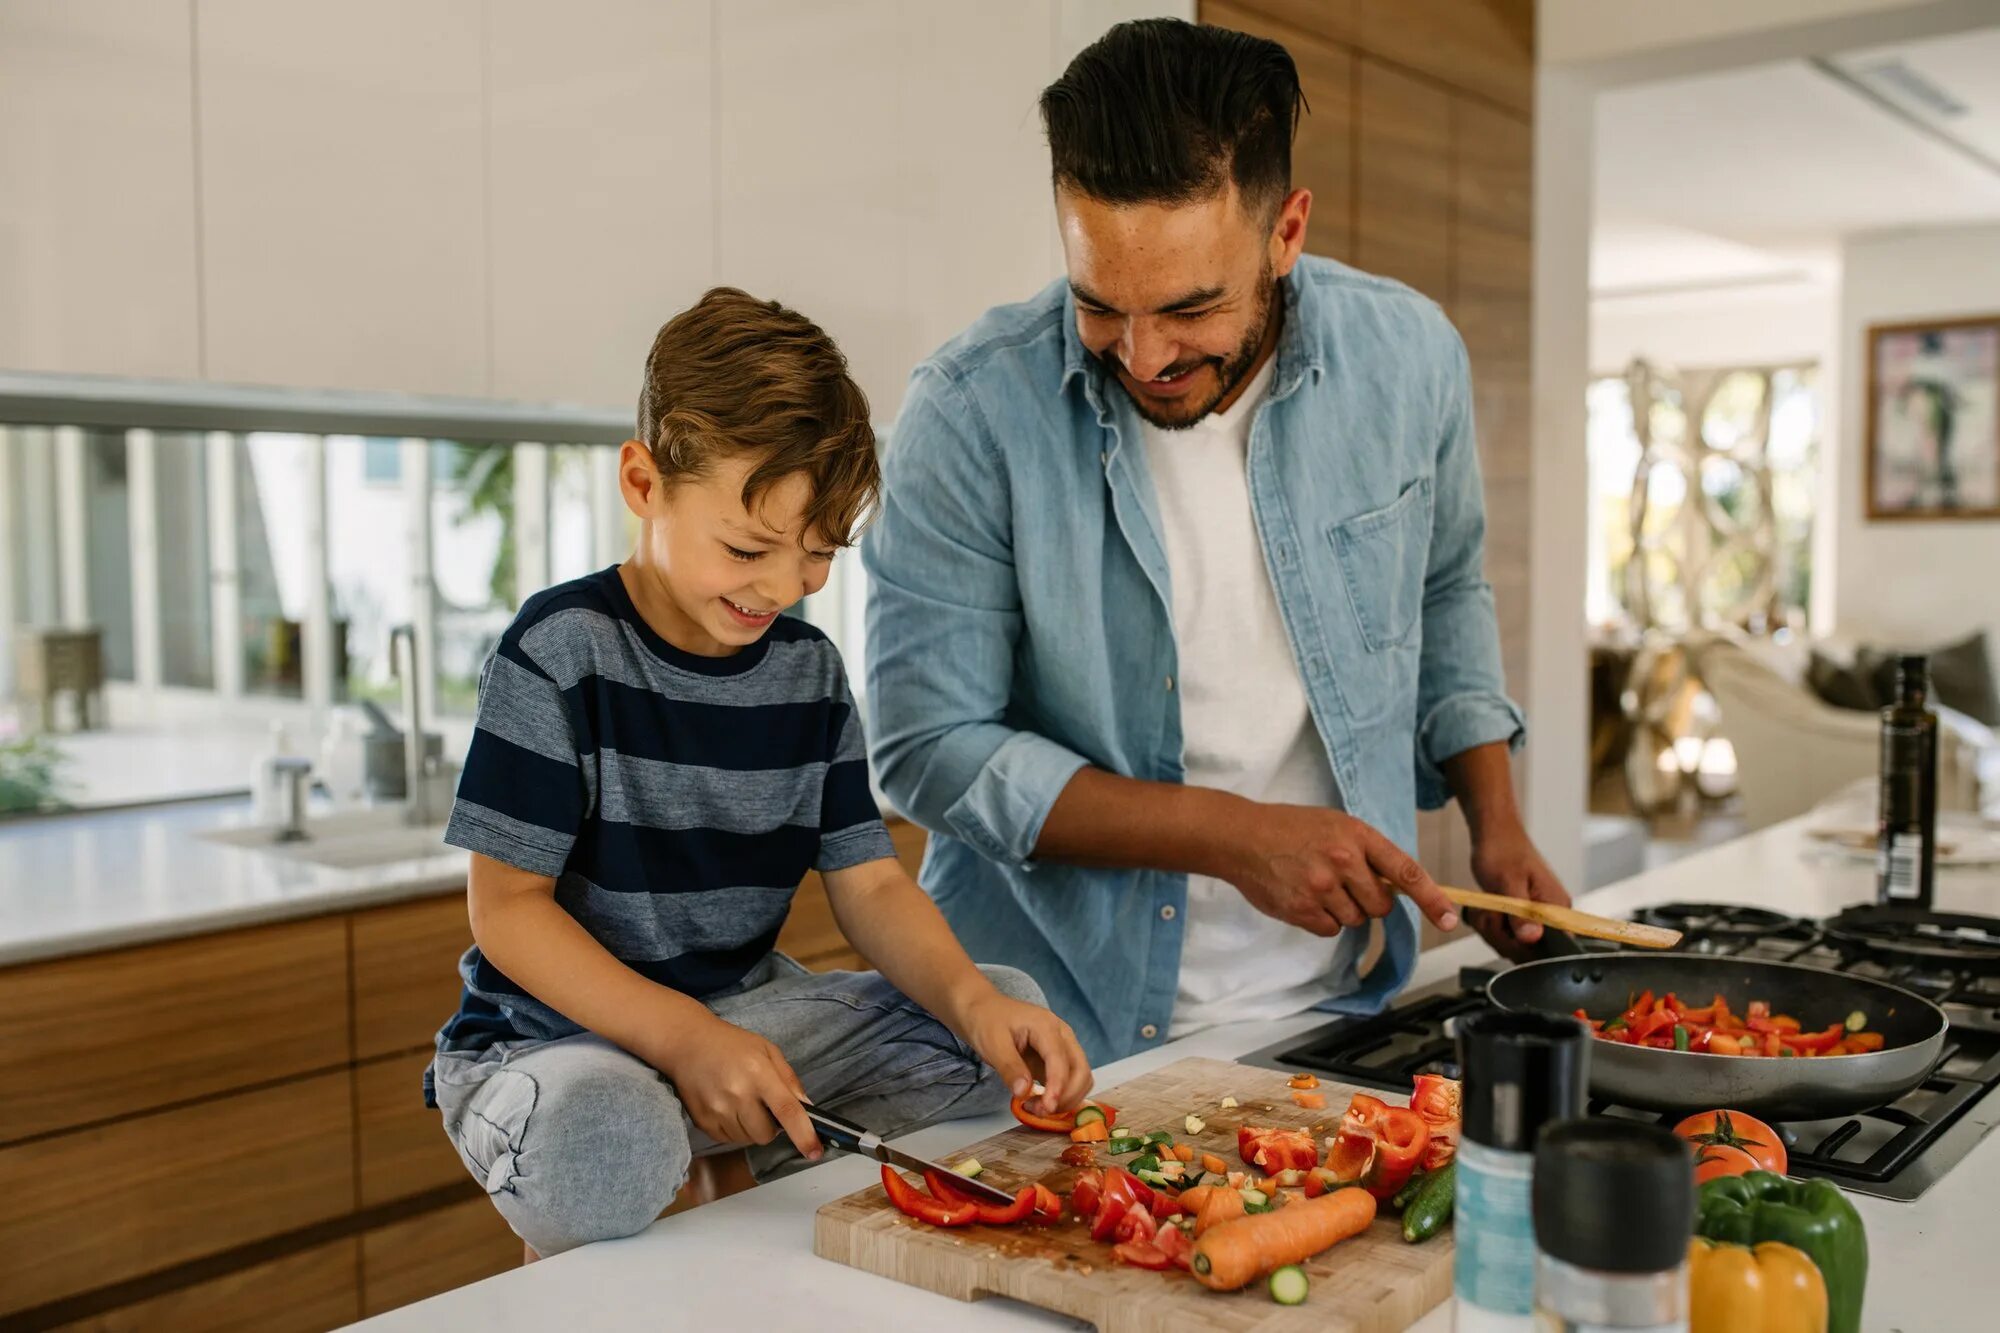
(29, 775)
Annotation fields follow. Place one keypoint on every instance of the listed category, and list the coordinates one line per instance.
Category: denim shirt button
(1170, 684)
(1149, 1032)
(1167, 913)
(1284, 553)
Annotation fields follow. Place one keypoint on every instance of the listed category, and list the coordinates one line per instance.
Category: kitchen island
(748, 1260)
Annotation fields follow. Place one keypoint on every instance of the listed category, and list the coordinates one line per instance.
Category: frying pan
(1807, 1088)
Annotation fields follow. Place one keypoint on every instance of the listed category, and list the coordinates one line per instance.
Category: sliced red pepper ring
(1053, 1124)
(914, 1202)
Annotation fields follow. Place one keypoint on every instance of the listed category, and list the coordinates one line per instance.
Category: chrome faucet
(296, 773)
(416, 766)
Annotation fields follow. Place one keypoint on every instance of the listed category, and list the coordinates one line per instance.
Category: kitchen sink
(351, 840)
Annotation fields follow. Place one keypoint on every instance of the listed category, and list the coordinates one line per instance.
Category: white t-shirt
(1244, 722)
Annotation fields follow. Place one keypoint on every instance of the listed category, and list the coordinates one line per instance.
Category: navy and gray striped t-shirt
(677, 800)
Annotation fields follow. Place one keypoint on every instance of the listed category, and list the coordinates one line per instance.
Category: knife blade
(836, 1132)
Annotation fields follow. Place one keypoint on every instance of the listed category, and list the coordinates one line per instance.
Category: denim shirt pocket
(1382, 556)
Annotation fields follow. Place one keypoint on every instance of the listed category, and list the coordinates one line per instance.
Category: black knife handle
(834, 1131)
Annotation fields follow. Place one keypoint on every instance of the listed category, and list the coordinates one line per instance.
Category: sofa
(1794, 750)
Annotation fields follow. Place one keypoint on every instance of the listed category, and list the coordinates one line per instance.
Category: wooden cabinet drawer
(93, 1038)
(307, 1292)
(403, 1150)
(432, 1253)
(98, 1206)
(406, 972)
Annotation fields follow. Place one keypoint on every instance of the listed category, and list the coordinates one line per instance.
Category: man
(1177, 611)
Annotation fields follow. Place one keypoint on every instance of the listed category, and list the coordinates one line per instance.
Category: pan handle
(1555, 944)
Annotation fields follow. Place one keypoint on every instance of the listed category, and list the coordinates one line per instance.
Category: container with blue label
(1522, 1073)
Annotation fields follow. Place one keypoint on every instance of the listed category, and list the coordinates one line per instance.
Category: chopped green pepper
(1812, 1215)
(1614, 1025)
(1680, 1037)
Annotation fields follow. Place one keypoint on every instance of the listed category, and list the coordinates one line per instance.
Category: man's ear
(1288, 230)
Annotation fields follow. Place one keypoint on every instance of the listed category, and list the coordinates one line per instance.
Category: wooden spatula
(1567, 918)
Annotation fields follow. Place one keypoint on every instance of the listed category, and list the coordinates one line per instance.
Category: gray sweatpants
(577, 1140)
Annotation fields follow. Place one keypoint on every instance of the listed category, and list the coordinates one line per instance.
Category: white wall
(1716, 326)
(506, 198)
(1582, 30)
(1916, 584)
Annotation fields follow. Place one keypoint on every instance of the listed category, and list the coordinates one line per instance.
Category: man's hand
(737, 1087)
(1322, 870)
(1026, 1044)
(1505, 861)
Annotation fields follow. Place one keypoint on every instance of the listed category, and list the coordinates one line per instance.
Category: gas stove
(1896, 1151)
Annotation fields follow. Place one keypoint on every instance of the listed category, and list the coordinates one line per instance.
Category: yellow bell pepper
(1773, 1288)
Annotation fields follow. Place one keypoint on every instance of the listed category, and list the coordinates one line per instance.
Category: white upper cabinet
(97, 209)
(343, 177)
(602, 199)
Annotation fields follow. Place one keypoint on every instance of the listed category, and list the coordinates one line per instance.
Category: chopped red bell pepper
(1275, 1150)
(992, 1214)
(1048, 1206)
(1352, 1156)
(909, 1199)
(1815, 1042)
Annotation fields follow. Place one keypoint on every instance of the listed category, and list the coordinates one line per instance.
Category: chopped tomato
(1083, 1195)
(1136, 1224)
(1174, 1243)
(1142, 1254)
(1109, 1213)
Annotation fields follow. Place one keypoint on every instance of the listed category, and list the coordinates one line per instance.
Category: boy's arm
(736, 1085)
(900, 930)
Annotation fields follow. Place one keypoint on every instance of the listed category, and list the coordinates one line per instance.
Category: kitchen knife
(835, 1132)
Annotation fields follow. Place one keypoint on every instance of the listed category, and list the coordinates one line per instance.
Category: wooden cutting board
(1373, 1283)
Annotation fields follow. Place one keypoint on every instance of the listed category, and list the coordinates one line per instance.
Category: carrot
(1184, 1153)
(1218, 1206)
(1312, 1101)
(1094, 1132)
(1210, 1162)
(1239, 1252)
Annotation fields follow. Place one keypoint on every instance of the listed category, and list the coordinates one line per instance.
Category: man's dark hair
(1162, 111)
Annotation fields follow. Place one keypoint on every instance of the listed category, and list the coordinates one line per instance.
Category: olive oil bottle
(1906, 831)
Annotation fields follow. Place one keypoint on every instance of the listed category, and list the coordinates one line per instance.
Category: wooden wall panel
(437, 1252)
(98, 1206)
(1483, 47)
(307, 1292)
(104, 1035)
(1402, 208)
(405, 972)
(1323, 154)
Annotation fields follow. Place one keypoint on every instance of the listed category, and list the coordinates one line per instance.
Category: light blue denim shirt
(1019, 621)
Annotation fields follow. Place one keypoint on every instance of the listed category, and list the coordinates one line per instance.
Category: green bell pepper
(1812, 1215)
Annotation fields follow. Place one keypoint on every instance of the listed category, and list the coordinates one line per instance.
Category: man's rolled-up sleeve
(1461, 689)
(944, 619)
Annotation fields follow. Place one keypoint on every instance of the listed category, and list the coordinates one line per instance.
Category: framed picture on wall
(1934, 419)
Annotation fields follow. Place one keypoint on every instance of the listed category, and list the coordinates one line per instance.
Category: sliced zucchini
(1153, 1178)
(1147, 1163)
(1159, 1136)
(1123, 1143)
(1086, 1113)
(1255, 1198)
(1856, 1021)
(969, 1168)
(1288, 1285)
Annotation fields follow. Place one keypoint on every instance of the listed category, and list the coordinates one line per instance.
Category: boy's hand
(1022, 1041)
(738, 1087)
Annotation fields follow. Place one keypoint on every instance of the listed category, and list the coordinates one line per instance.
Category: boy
(658, 760)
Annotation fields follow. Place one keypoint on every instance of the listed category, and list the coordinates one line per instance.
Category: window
(367, 563)
(274, 499)
(572, 548)
(1702, 491)
(181, 528)
(107, 511)
(472, 563)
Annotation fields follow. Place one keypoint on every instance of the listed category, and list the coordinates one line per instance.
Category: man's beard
(1230, 370)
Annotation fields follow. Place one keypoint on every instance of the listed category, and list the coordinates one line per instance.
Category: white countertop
(751, 1254)
(73, 884)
